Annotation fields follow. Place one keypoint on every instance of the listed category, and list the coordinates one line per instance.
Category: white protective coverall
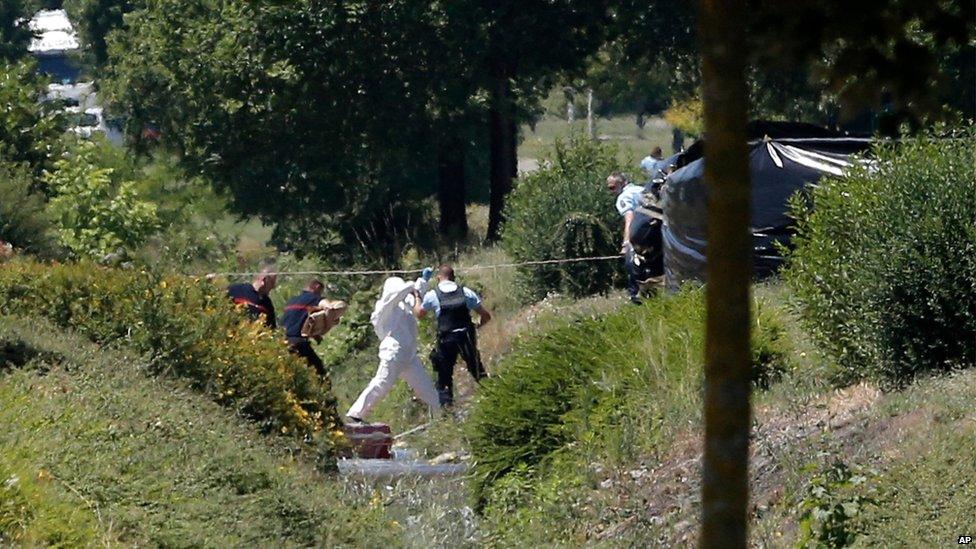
(396, 328)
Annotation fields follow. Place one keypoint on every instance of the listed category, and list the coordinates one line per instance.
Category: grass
(146, 461)
(634, 144)
(104, 454)
(916, 448)
(35, 512)
(628, 439)
(925, 489)
(252, 237)
(571, 405)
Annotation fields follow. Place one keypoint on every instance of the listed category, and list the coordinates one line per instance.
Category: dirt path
(670, 491)
(527, 165)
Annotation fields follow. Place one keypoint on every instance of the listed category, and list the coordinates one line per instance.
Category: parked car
(80, 94)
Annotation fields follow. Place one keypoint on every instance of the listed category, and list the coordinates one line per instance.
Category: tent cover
(784, 158)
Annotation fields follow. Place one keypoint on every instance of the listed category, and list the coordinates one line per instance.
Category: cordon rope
(411, 271)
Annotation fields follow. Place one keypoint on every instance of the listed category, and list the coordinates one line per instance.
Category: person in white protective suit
(395, 322)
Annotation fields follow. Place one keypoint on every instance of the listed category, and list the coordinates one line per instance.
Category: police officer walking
(452, 305)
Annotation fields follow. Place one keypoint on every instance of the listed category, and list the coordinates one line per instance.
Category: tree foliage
(887, 53)
(560, 211)
(312, 115)
(14, 34)
(820, 62)
(24, 222)
(311, 111)
(95, 19)
(686, 116)
(96, 216)
(30, 130)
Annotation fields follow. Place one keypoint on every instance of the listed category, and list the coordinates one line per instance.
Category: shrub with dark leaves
(884, 270)
(563, 210)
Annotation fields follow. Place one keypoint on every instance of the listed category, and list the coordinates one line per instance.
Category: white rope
(410, 271)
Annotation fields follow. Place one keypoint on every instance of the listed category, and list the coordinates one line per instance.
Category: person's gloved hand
(626, 247)
(420, 285)
(428, 272)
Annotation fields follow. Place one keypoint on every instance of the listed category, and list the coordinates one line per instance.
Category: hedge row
(189, 329)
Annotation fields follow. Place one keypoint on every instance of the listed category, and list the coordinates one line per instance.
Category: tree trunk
(590, 128)
(725, 487)
(502, 145)
(452, 190)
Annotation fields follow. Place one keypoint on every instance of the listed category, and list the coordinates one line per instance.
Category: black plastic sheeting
(778, 167)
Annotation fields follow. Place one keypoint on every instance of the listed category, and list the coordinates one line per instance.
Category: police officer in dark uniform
(452, 305)
(256, 297)
(296, 312)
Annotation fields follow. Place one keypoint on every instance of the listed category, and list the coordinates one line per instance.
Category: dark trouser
(645, 237)
(633, 273)
(444, 356)
(303, 348)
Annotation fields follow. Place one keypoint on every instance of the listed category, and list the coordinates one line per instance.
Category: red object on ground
(370, 440)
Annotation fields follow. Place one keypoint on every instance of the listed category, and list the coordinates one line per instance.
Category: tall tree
(725, 491)
(889, 53)
(14, 32)
(456, 115)
(95, 19)
(312, 115)
(525, 41)
(31, 129)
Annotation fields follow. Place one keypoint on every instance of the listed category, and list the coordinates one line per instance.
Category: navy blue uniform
(257, 303)
(296, 312)
(455, 336)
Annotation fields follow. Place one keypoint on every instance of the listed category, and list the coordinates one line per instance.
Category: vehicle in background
(81, 94)
(84, 123)
(87, 122)
(55, 45)
(58, 53)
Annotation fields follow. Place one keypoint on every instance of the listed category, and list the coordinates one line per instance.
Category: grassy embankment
(96, 451)
(104, 453)
(619, 461)
(602, 434)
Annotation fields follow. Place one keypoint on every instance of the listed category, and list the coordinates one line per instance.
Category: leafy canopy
(30, 129)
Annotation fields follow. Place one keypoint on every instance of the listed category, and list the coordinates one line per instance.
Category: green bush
(833, 507)
(188, 328)
(600, 382)
(884, 269)
(95, 215)
(23, 221)
(563, 210)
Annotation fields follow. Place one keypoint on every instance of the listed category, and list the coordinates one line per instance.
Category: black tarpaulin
(778, 167)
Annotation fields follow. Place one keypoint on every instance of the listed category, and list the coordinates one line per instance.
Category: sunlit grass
(149, 461)
(634, 143)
